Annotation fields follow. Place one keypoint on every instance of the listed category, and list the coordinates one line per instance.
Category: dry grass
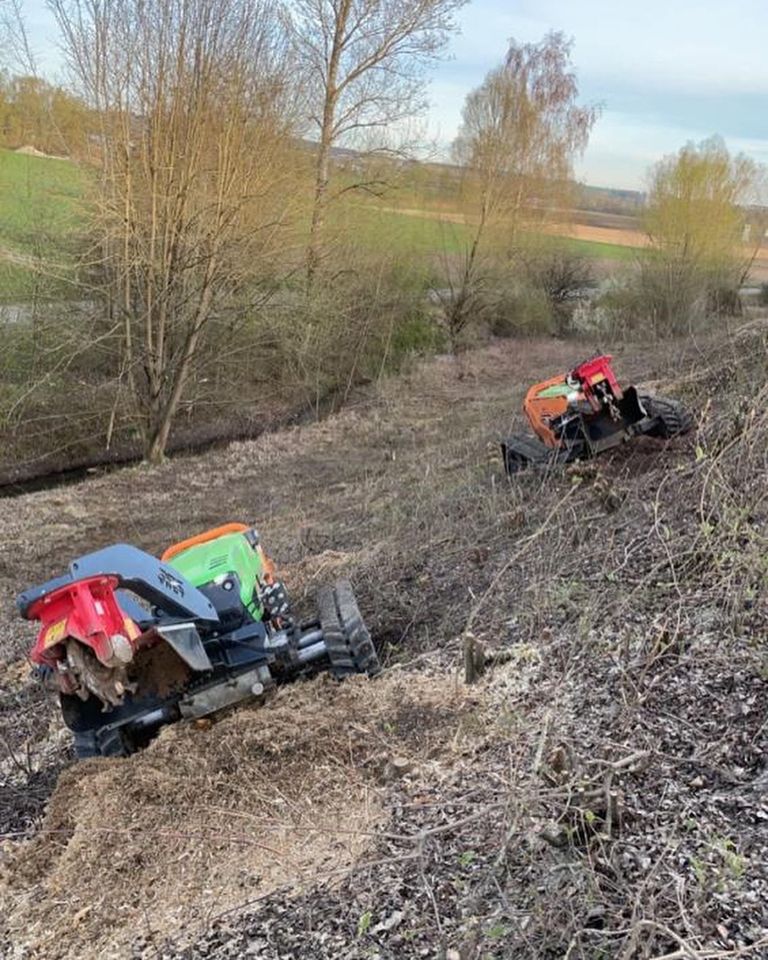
(599, 795)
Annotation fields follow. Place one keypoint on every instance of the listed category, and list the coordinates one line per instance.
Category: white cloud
(622, 149)
(686, 45)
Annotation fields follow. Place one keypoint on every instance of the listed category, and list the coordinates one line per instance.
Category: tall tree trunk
(318, 206)
(326, 142)
(163, 418)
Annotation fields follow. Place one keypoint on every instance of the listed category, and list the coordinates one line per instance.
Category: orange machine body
(552, 398)
(545, 402)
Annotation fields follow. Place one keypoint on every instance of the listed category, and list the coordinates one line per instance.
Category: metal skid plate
(610, 428)
(185, 640)
(230, 691)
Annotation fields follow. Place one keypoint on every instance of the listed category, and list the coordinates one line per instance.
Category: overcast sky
(665, 71)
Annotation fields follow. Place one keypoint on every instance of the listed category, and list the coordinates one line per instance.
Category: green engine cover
(213, 561)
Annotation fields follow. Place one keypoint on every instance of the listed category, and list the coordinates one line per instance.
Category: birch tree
(521, 130)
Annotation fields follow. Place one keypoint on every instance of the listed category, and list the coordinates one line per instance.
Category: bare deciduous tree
(192, 101)
(15, 49)
(521, 130)
(365, 65)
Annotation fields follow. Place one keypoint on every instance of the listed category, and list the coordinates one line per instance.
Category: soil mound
(212, 816)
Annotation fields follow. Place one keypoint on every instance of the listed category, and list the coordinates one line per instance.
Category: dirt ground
(600, 793)
(210, 817)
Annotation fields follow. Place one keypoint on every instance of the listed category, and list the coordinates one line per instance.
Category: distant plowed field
(607, 231)
(628, 237)
(593, 234)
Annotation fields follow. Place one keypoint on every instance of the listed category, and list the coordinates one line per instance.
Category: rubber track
(94, 743)
(520, 451)
(349, 644)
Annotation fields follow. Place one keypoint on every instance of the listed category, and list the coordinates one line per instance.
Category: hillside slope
(600, 793)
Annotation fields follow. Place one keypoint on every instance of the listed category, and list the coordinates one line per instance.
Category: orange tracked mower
(583, 413)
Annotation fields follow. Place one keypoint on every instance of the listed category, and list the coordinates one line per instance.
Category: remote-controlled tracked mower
(583, 413)
(132, 643)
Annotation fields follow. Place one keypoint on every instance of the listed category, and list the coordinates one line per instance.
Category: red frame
(594, 371)
(86, 610)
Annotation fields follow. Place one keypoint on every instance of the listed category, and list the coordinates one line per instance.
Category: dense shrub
(517, 309)
(65, 395)
(496, 297)
(661, 298)
(352, 328)
(564, 278)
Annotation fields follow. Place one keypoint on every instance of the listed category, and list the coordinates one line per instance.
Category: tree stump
(474, 658)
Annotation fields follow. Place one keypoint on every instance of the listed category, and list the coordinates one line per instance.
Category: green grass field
(41, 201)
(20, 284)
(594, 250)
(41, 215)
(428, 235)
(43, 209)
(378, 229)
